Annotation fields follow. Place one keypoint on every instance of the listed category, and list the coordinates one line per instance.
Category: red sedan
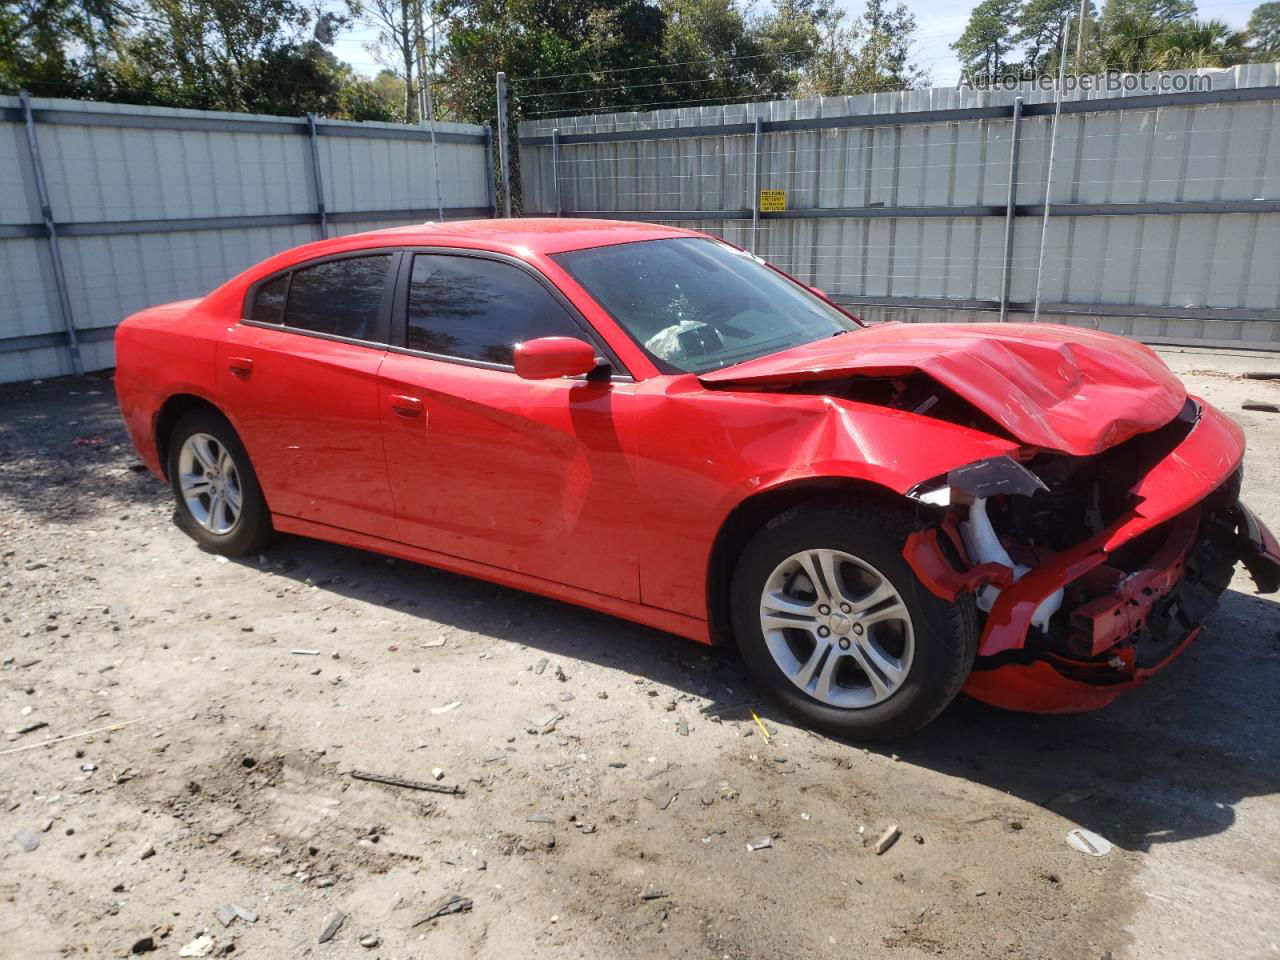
(654, 424)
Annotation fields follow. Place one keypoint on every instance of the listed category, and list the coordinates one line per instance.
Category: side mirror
(550, 357)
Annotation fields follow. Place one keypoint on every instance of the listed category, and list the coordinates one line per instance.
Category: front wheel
(219, 501)
(832, 621)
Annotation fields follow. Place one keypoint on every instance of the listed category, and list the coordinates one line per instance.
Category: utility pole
(503, 159)
(1080, 37)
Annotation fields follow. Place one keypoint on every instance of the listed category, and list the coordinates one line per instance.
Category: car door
(299, 378)
(530, 476)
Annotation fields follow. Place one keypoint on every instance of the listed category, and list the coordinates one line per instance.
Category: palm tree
(1137, 43)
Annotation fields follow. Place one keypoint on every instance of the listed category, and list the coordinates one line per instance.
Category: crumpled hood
(1058, 387)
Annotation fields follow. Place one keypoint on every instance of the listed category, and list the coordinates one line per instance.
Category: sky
(939, 23)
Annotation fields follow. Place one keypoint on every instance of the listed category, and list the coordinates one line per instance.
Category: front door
(300, 381)
(530, 476)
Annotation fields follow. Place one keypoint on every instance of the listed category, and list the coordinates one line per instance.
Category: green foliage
(643, 54)
(256, 56)
(988, 40)
(1264, 30)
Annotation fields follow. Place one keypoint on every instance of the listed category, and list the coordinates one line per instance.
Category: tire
(210, 524)
(919, 649)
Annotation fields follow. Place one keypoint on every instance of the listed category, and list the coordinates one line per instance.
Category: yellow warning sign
(773, 201)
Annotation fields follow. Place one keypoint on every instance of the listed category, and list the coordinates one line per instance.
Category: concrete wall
(154, 204)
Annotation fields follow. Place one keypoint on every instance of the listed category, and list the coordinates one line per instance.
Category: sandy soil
(227, 776)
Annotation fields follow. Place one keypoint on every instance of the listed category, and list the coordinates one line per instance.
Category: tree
(1160, 13)
(987, 40)
(870, 54)
(400, 44)
(1040, 32)
(1140, 43)
(1264, 29)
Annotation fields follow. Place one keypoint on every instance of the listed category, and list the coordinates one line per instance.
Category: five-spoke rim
(837, 628)
(210, 483)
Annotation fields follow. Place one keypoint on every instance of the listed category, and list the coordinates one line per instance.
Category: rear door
(530, 476)
(299, 378)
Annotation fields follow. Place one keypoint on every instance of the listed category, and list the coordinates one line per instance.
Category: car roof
(541, 235)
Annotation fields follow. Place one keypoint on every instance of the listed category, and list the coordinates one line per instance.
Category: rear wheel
(833, 622)
(219, 501)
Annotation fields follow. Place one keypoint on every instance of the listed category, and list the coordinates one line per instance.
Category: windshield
(695, 304)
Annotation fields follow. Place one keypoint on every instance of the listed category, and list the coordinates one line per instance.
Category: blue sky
(939, 23)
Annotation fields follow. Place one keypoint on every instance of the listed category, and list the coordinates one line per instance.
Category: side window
(340, 297)
(268, 303)
(478, 309)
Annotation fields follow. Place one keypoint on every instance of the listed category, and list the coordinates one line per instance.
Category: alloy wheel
(837, 628)
(210, 483)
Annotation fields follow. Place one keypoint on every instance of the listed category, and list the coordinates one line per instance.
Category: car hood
(1057, 387)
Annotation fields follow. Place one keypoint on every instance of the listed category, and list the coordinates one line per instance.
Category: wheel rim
(210, 483)
(837, 628)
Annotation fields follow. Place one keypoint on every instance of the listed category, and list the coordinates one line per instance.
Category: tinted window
(340, 297)
(479, 309)
(697, 304)
(268, 303)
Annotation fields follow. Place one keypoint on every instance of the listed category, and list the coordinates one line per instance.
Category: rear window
(339, 297)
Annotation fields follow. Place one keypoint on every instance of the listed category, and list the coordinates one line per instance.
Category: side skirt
(679, 624)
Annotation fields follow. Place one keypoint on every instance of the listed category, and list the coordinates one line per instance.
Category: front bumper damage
(1133, 595)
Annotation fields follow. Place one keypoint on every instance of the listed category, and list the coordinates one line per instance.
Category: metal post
(55, 254)
(1015, 137)
(503, 160)
(490, 192)
(1048, 177)
(555, 169)
(424, 71)
(435, 157)
(315, 175)
(755, 186)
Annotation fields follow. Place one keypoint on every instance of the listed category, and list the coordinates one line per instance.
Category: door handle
(406, 406)
(240, 366)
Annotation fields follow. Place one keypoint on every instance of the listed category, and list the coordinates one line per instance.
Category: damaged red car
(655, 424)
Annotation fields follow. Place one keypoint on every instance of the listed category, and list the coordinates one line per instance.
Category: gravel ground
(223, 774)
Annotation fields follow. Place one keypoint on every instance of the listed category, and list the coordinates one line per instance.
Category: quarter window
(339, 297)
(477, 309)
(268, 303)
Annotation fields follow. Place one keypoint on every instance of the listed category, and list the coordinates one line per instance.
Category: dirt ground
(620, 830)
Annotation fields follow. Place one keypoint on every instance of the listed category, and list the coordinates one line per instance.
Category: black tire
(945, 634)
(252, 529)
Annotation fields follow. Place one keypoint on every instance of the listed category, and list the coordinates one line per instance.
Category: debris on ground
(229, 912)
(546, 724)
(407, 784)
(369, 941)
(654, 894)
(764, 843)
(332, 925)
(305, 653)
(27, 839)
(437, 711)
(201, 946)
(1086, 841)
(887, 839)
(1261, 406)
(446, 905)
(661, 797)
